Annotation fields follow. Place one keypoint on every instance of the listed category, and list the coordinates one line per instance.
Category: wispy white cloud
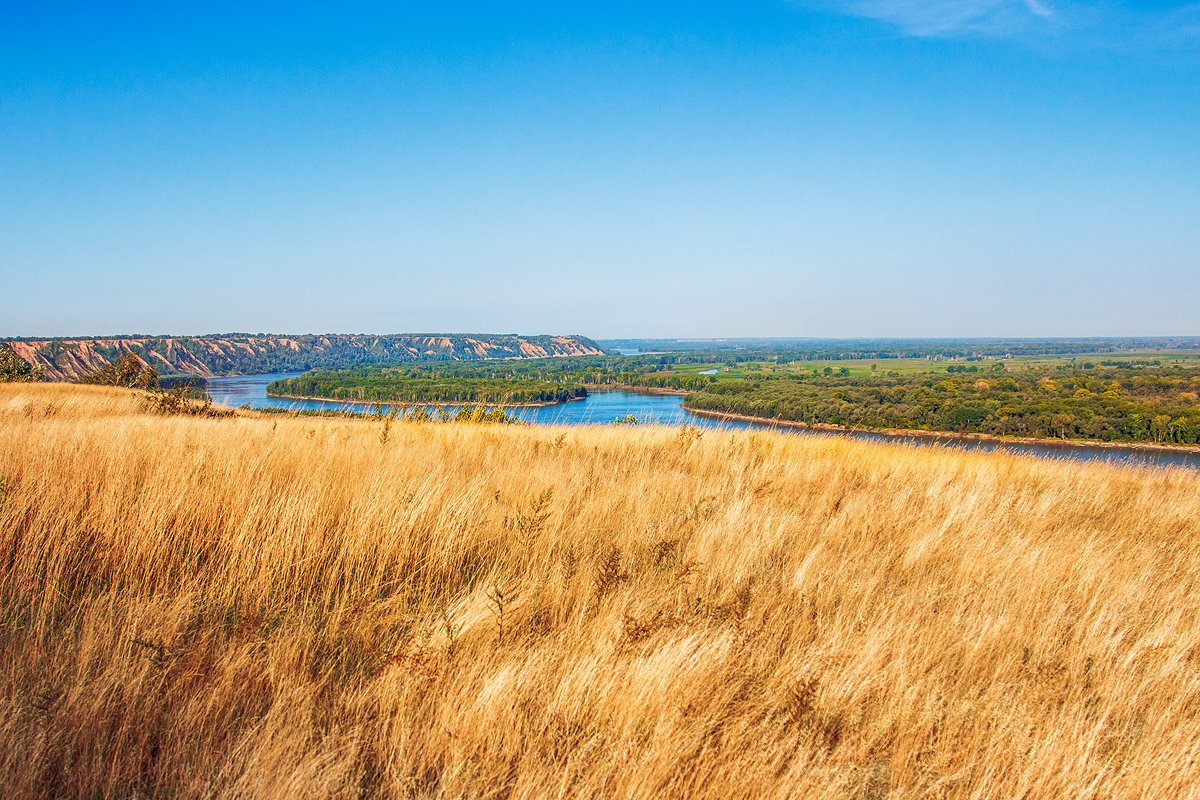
(1039, 9)
(948, 17)
(1110, 23)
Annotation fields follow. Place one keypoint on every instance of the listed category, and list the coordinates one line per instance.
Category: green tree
(1160, 427)
(1062, 424)
(13, 368)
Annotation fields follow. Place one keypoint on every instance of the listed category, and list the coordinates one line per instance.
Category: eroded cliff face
(238, 354)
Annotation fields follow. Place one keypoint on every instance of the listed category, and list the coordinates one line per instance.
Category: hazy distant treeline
(714, 350)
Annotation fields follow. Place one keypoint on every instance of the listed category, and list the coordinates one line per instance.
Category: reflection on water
(600, 408)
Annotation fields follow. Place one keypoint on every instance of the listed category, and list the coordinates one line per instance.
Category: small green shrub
(128, 371)
(14, 369)
(185, 400)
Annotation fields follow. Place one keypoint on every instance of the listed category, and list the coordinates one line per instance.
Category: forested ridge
(1103, 403)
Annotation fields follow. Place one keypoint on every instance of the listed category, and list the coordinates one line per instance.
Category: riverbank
(604, 406)
(422, 403)
(620, 387)
(948, 436)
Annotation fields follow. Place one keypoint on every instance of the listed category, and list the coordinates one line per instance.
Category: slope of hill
(247, 354)
(288, 607)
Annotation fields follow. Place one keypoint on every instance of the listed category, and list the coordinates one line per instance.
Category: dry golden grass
(267, 607)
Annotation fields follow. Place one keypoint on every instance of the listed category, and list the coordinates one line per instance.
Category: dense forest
(540, 380)
(250, 354)
(649, 371)
(1093, 402)
(411, 385)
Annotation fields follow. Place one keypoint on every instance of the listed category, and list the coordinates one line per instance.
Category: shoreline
(596, 387)
(425, 403)
(620, 387)
(901, 433)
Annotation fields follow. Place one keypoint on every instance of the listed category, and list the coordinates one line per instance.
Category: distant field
(902, 366)
(288, 607)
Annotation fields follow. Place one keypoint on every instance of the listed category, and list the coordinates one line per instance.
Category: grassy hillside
(246, 354)
(259, 606)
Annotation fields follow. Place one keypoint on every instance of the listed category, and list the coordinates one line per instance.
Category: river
(603, 407)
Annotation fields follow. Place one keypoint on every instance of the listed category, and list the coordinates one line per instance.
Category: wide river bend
(602, 407)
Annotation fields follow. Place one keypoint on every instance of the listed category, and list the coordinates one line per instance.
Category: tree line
(414, 386)
(537, 380)
(1104, 404)
(785, 349)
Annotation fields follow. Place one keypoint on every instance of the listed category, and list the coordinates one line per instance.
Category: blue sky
(773, 168)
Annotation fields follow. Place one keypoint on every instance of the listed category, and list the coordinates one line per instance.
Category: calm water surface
(601, 408)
